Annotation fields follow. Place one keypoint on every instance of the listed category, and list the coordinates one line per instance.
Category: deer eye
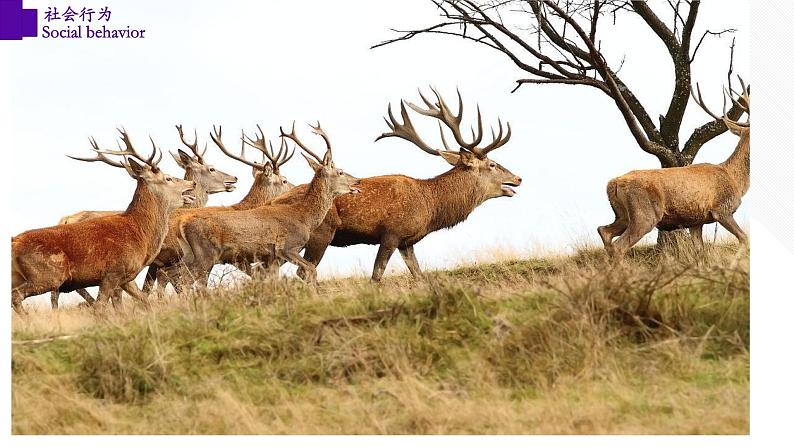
(212, 169)
(492, 165)
(168, 179)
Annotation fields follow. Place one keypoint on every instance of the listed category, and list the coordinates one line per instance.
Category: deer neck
(150, 215)
(738, 164)
(201, 194)
(258, 195)
(453, 196)
(317, 200)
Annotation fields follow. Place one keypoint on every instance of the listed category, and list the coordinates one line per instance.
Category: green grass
(560, 345)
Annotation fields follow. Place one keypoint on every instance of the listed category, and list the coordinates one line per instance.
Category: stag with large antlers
(107, 251)
(396, 211)
(685, 197)
(268, 183)
(269, 231)
(209, 180)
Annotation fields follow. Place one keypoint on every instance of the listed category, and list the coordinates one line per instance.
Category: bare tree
(557, 42)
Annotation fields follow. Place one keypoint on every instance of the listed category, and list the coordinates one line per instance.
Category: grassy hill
(557, 345)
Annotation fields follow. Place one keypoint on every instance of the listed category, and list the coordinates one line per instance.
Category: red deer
(277, 230)
(107, 251)
(209, 180)
(396, 211)
(268, 183)
(685, 197)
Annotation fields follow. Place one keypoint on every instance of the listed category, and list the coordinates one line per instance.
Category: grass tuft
(568, 344)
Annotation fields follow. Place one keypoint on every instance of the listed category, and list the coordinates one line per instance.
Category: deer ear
(180, 158)
(313, 163)
(450, 157)
(134, 169)
(327, 157)
(467, 158)
(268, 169)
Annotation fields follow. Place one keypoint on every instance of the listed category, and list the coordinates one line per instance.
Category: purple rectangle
(10, 23)
(29, 23)
(15, 22)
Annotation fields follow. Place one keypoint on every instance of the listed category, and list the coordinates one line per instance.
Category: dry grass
(556, 345)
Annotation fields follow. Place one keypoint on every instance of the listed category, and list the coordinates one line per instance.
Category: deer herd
(168, 228)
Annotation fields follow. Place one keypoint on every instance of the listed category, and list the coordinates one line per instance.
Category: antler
(261, 144)
(131, 152)
(407, 132)
(745, 96)
(743, 101)
(441, 111)
(318, 131)
(216, 138)
(99, 155)
(193, 147)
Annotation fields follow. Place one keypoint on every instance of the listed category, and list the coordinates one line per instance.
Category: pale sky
(240, 63)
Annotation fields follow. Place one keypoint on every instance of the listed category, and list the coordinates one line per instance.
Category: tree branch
(586, 81)
(689, 25)
(670, 125)
(707, 132)
(668, 38)
(709, 33)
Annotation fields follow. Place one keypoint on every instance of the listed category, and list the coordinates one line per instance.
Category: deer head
(740, 129)
(209, 178)
(492, 178)
(172, 192)
(337, 181)
(267, 175)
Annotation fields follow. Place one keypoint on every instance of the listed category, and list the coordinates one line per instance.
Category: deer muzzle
(506, 187)
(230, 184)
(187, 195)
(354, 187)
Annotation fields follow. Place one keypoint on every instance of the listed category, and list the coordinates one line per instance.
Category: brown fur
(208, 181)
(269, 231)
(267, 184)
(107, 251)
(396, 211)
(673, 198)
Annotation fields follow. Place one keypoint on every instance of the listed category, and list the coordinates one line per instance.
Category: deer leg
(635, 231)
(116, 299)
(205, 256)
(151, 277)
(697, 236)
(17, 296)
(730, 224)
(315, 250)
(642, 216)
(176, 274)
(164, 278)
(132, 289)
(54, 299)
(294, 257)
(103, 296)
(616, 228)
(246, 268)
(86, 296)
(387, 247)
(267, 267)
(409, 257)
(608, 232)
